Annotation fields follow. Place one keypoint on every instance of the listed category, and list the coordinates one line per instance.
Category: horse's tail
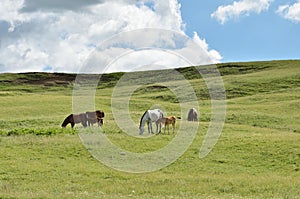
(67, 121)
(178, 117)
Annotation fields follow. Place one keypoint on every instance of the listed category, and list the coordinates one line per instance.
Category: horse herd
(155, 115)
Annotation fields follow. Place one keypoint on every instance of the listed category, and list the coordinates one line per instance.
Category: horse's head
(141, 130)
(100, 114)
(67, 121)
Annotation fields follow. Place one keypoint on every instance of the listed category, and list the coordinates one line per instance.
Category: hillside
(235, 87)
(256, 156)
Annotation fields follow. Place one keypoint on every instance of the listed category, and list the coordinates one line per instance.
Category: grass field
(257, 155)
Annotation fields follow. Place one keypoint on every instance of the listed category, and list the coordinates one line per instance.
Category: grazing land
(256, 156)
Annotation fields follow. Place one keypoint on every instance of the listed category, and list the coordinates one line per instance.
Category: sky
(127, 35)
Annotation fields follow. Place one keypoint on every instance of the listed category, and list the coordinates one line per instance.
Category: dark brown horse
(95, 117)
(75, 119)
(192, 115)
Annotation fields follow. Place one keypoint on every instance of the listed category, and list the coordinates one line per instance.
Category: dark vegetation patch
(37, 131)
(189, 73)
(152, 88)
(243, 68)
(158, 92)
(47, 79)
(109, 80)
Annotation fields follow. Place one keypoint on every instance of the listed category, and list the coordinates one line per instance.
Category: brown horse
(75, 119)
(166, 121)
(95, 117)
(192, 115)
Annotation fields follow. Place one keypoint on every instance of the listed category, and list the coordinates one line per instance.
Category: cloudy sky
(61, 35)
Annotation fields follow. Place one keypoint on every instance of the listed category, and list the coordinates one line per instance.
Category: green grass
(257, 155)
(256, 164)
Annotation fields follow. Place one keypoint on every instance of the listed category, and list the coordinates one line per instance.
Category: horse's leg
(99, 122)
(149, 130)
(173, 127)
(148, 125)
(151, 127)
(159, 127)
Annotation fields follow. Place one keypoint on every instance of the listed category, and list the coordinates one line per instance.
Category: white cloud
(156, 60)
(162, 48)
(238, 8)
(290, 12)
(213, 55)
(9, 11)
(41, 34)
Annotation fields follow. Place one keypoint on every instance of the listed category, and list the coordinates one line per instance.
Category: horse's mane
(142, 118)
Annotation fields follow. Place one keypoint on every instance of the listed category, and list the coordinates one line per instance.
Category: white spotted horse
(148, 117)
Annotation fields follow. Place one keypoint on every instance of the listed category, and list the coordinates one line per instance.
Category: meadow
(256, 156)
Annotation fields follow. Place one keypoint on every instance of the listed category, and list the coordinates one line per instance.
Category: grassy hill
(257, 155)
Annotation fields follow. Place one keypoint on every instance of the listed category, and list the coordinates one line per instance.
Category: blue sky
(59, 36)
(263, 36)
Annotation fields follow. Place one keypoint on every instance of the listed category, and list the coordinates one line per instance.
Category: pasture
(256, 156)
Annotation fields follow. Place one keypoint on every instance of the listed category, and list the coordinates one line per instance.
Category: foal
(167, 121)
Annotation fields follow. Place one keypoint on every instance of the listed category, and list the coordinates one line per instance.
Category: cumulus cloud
(213, 55)
(59, 36)
(162, 49)
(290, 12)
(9, 12)
(238, 8)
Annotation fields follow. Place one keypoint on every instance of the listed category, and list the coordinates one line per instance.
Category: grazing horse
(95, 117)
(166, 121)
(75, 119)
(193, 115)
(149, 117)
